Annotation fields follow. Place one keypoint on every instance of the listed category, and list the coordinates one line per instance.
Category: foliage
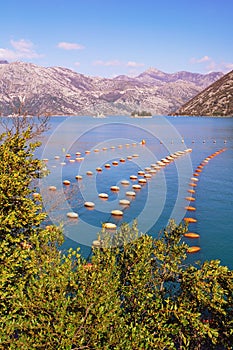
(141, 113)
(135, 292)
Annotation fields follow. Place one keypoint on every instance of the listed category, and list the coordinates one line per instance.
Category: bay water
(93, 142)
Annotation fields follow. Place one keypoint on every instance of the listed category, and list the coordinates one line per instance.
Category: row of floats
(141, 178)
(192, 190)
(79, 157)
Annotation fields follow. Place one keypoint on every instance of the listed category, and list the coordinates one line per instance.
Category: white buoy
(133, 177)
(56, 157)
(141, 173)
(52, 188)
(164, 160)
(115, 188)
(160, 163)
(130, 193)
(89, 204)
(109, 226)
(107, 165)
(78, 177)
(99, 169)
(194, 179)
(148, 176)
(142, 181)
(117, 212)
(115, 162)
(96, 244)
(136, 187)
(103, 195)
(124, 202)
(125, 182)
(72, 215)
(89, 173)
(66, 182)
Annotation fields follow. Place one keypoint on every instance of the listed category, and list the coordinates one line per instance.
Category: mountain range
(26, 88)
(216, 100)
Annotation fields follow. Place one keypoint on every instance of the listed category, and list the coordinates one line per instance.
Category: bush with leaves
(135, 292)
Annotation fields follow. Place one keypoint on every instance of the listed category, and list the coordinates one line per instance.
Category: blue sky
(109, 37)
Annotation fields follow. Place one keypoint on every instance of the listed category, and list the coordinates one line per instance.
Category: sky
(107, 38)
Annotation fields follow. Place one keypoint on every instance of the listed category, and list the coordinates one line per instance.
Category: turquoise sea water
(162, 198)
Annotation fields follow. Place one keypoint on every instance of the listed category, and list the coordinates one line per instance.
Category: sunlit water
(162, 198)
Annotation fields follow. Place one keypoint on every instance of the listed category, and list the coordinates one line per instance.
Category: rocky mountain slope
(34, 90)
(216, 100)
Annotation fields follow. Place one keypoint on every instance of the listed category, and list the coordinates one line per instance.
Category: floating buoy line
(190, 208)
(137, 181)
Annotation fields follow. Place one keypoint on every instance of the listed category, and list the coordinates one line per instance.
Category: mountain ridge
(215, 100)
(62, 91)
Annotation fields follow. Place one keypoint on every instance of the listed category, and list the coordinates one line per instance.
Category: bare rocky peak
(215, 100)
(152, 75)
(61, 91)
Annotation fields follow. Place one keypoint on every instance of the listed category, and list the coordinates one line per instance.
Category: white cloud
(7, 54)
(135, 64)
(20, 49)
(227, 66)
(212, 65)
(200, 60)
(77, 64)
(69, 46)
(222, 66)
(204, 59)
(112, 63)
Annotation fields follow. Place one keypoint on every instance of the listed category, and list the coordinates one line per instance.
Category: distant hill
(34, 90)
(216, 100)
